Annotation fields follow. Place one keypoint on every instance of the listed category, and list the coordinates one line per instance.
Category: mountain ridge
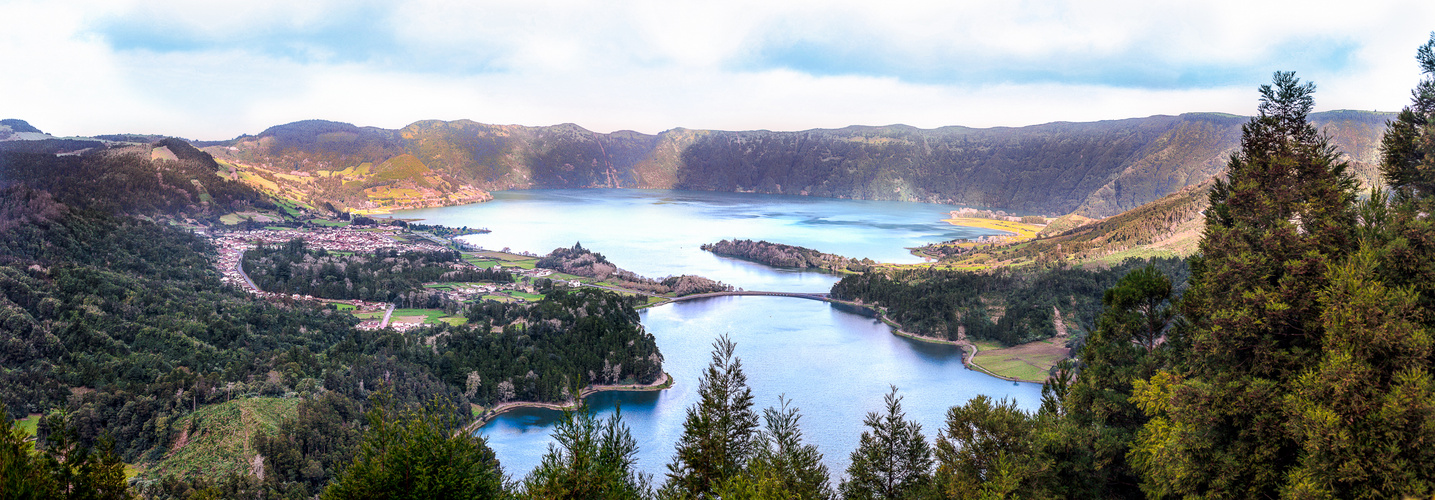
(1096, 169)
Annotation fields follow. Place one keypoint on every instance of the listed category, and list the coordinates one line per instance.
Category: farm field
(1030, 362)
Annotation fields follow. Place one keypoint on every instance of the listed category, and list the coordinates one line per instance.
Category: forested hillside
(1097, 169)
(584, 262)
(777, 254)
(128, 178)
(1010, 306)
(114, 321)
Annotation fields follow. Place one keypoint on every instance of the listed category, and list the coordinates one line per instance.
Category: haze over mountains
(1095, 169)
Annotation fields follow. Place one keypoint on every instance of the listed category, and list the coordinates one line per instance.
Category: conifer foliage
(1284, 214)
(412, 453)
(720, 431)
(893, 459)
(592, 459)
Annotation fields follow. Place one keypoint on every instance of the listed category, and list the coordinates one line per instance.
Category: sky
(216, 69)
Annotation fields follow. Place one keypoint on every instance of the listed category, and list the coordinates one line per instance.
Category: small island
(780, 255)
(580, 261)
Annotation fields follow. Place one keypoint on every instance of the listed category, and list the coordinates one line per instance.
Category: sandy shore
(663, 382)
(1019, 230)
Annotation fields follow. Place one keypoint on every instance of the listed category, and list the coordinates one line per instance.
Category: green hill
(214, 441)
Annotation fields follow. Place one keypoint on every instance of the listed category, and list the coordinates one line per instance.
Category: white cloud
(650, 65)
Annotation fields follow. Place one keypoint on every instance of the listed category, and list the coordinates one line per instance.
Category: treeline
(386, 275)
(777, 254)
(583, 262)
(446, 231)
(1009, 305)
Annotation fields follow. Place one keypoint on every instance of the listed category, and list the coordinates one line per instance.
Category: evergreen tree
(720, 431)
(409, 453)
(1408, 165)
(65, 468)
(783, 467)
(1283, 214)
(986, 450)
(593, 459)
(22, 471)
(1122, 350)
(893, 459)
(1408, 148)
(1365, 415)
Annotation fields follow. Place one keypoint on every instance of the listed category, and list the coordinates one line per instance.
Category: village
(231, 246)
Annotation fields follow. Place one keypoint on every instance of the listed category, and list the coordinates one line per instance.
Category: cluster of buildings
(232, 246)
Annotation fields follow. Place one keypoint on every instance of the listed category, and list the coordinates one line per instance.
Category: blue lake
(834, 365)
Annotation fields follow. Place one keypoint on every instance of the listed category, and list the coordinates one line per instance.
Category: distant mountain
(18, 130)
(1096, 169)
(166, 177)
(19, 126)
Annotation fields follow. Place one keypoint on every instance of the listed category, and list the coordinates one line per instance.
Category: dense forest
(386, 275)
(777, 254)
(580, 261)
(1007, 305)
(126, 179)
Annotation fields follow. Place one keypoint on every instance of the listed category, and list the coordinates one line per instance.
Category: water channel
(834, 365)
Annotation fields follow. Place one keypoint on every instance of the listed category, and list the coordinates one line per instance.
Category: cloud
(217, 69)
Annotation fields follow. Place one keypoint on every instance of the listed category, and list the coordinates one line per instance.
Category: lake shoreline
(664, 381)
(969, 349)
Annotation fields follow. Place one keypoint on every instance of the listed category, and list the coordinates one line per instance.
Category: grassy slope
(28, 424)
(219, 442)
(1030, 362)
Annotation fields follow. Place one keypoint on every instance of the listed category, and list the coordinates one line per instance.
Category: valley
(353, 245)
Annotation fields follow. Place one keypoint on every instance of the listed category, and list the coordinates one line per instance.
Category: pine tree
(408, 453)
(65, 468)
(893, 460)
(593, 459)
(1122, 350)
(1408, 164)
(783, 467)
(986, 449)
(720, 431)
(1283, 214)
(1408, 148)
(1365, 415)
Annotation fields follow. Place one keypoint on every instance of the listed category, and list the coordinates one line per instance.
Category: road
(239, 266)
(387, 314)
